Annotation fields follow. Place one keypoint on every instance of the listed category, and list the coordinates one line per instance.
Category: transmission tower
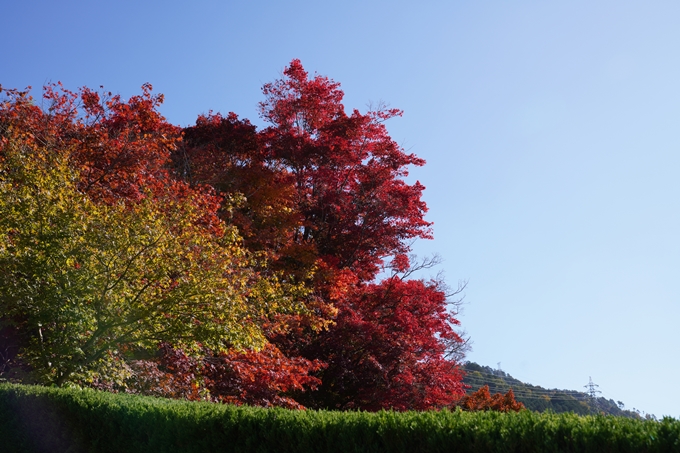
(592, 390)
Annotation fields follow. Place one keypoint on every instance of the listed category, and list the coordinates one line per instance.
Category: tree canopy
(219, 261)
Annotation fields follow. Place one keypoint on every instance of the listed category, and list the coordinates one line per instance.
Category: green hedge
(38, 419)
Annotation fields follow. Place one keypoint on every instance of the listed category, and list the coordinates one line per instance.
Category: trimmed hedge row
(39, 419)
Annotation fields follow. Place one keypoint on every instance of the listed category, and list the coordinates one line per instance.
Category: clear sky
(550, 129)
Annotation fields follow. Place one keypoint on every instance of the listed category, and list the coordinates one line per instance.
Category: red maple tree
(324, 193)
(388, 349)
(356, 209)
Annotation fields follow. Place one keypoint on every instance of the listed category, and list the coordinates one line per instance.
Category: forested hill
(540, 399)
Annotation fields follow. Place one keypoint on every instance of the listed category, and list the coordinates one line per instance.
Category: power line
(469, 375)
(536, 391)
(501, 381)
(531, 390)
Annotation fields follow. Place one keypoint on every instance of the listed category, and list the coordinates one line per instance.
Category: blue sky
(550, 130)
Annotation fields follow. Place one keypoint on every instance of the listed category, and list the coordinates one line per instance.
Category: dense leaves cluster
(483, 400)
(264, 267)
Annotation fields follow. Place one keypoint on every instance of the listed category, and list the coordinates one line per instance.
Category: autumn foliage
(96, 271)
(304, 226)
(482, 400)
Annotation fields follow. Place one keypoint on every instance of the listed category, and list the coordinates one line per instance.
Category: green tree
(87, 285)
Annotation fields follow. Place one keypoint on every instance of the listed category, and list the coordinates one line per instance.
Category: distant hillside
(538, 398)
